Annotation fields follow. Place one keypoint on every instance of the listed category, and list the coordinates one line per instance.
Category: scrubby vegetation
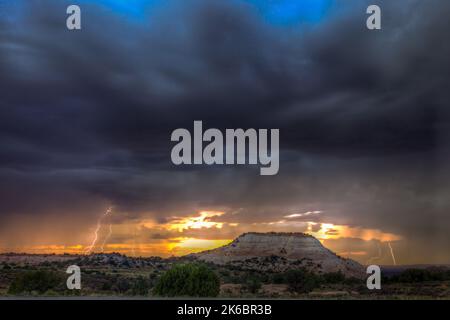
(35, 281)
(115, 276)
(191, 279)
(420, 275)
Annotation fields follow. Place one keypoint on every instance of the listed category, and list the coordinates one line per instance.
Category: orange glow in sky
(195, 233)
(331, 231)
(191, 245)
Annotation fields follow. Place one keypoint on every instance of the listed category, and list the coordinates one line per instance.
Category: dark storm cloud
(86, 117)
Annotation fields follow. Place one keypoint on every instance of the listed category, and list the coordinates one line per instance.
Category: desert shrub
(354, 281)
(140, 286)
(301, 280)
(38, 281)
(225, 274)
(252, 284)
(333, 277)
(192, 279)
(153, 278)
(125, 264)
(421, 275)
(414, 275)
(233, 278)
(122, 285)
(278, 278)
(106, 286)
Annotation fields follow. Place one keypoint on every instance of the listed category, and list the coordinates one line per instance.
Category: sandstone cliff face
(279, 252)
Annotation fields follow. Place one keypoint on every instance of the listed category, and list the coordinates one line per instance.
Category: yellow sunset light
(197, 222)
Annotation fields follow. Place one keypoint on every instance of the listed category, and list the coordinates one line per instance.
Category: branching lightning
(97, 229)
(392, 253)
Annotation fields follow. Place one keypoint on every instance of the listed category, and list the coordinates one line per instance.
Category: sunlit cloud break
(197, 222)
(304, 214)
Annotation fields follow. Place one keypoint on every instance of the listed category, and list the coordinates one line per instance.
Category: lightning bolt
(392, 253)
(97, 229)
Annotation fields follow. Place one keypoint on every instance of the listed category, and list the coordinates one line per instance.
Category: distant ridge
(279, 252)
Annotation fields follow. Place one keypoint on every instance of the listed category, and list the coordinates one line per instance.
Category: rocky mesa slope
(277, 252)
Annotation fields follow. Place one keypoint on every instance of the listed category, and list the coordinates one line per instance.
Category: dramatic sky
(86, 118)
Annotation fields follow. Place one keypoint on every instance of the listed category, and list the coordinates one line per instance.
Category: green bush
(353, 281)
(333, 277)
(421, 275)
(192, 280)
(253, 284)
(141, 286)
(278, 278)
(35, 281)
(122, 285)
(301, 280)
